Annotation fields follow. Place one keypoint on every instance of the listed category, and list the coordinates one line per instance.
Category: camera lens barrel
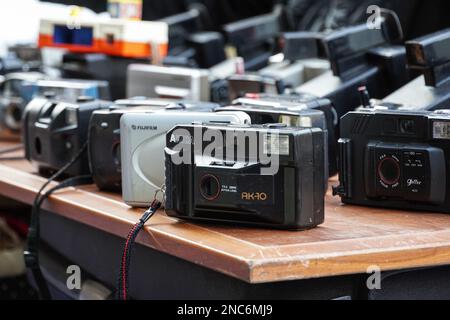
(389, 170)
(210, 187)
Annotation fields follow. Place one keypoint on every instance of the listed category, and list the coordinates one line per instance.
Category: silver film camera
(143, 139)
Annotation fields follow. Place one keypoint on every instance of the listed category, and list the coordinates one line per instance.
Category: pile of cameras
(255, 147)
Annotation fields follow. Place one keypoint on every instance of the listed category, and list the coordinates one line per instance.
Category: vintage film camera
(181, 83)
(115, 37)
(205, 50)
(69, 89)
(184, 24)
(13, 100)
(54, 132)
(143, 138)
(97, 66)
(14, 61)
(255, 38)
(30, 54)
(395, 159)
(294, 111)
(104, 135)
(241, 84)
(190, 42)
(360, 57)
(429, 56)
(234, 189)
(299, 66)
(21, 88)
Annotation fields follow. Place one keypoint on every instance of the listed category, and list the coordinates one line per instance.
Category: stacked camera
(217, 144)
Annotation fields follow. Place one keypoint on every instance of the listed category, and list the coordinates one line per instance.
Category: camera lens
(13, 116)
(389, 171)
(209, 187)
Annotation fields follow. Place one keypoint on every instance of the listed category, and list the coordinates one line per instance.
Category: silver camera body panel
(143, 139)
(296, 73)
(168, 82)
(176, 82)
(416, 95)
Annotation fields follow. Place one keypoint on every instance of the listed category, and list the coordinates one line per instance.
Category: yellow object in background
(125, 9)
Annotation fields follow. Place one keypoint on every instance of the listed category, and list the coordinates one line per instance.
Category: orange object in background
(116, 37)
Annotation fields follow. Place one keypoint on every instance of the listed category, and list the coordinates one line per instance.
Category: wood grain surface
(351, 240)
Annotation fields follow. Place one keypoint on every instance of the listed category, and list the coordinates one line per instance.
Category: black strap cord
(31, 253)
(123, 284)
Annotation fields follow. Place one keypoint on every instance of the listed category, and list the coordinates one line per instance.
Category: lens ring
(389, 171)
(209, 187)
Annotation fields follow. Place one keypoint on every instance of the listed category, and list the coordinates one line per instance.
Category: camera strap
(31, 253)
(123, 279)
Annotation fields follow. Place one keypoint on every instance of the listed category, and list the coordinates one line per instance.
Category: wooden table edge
(251, 270)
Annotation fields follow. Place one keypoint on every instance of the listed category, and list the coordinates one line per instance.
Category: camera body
(143, 138)
(29, 53)
(11, 62)
(21, 88)
(255, 38)
(204, 49)
(395, 159)
(294, 111)
(115, 37)
(168, 82)
(54, 132)
(104, 135)
(181, 83)
(69, 89)
(359, 57)
(98, 66)
(300, 65)
(430, 91)
(240, 85)
(293, 74)
(218, 188)
(13, 100)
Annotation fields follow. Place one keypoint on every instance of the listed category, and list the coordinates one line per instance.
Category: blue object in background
(83, 36)
(79, 36)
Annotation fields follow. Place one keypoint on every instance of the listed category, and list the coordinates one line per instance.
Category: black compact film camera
(429, 56)
(395, 159)
(93, 66)
(104, 135)
(359, 56)
(255, 38)
(54, 132)
(190, 42)
(205, 50)
(236, 189)
(294, 111)
(14, 97)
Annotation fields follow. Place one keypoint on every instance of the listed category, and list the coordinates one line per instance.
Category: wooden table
(352, 238)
